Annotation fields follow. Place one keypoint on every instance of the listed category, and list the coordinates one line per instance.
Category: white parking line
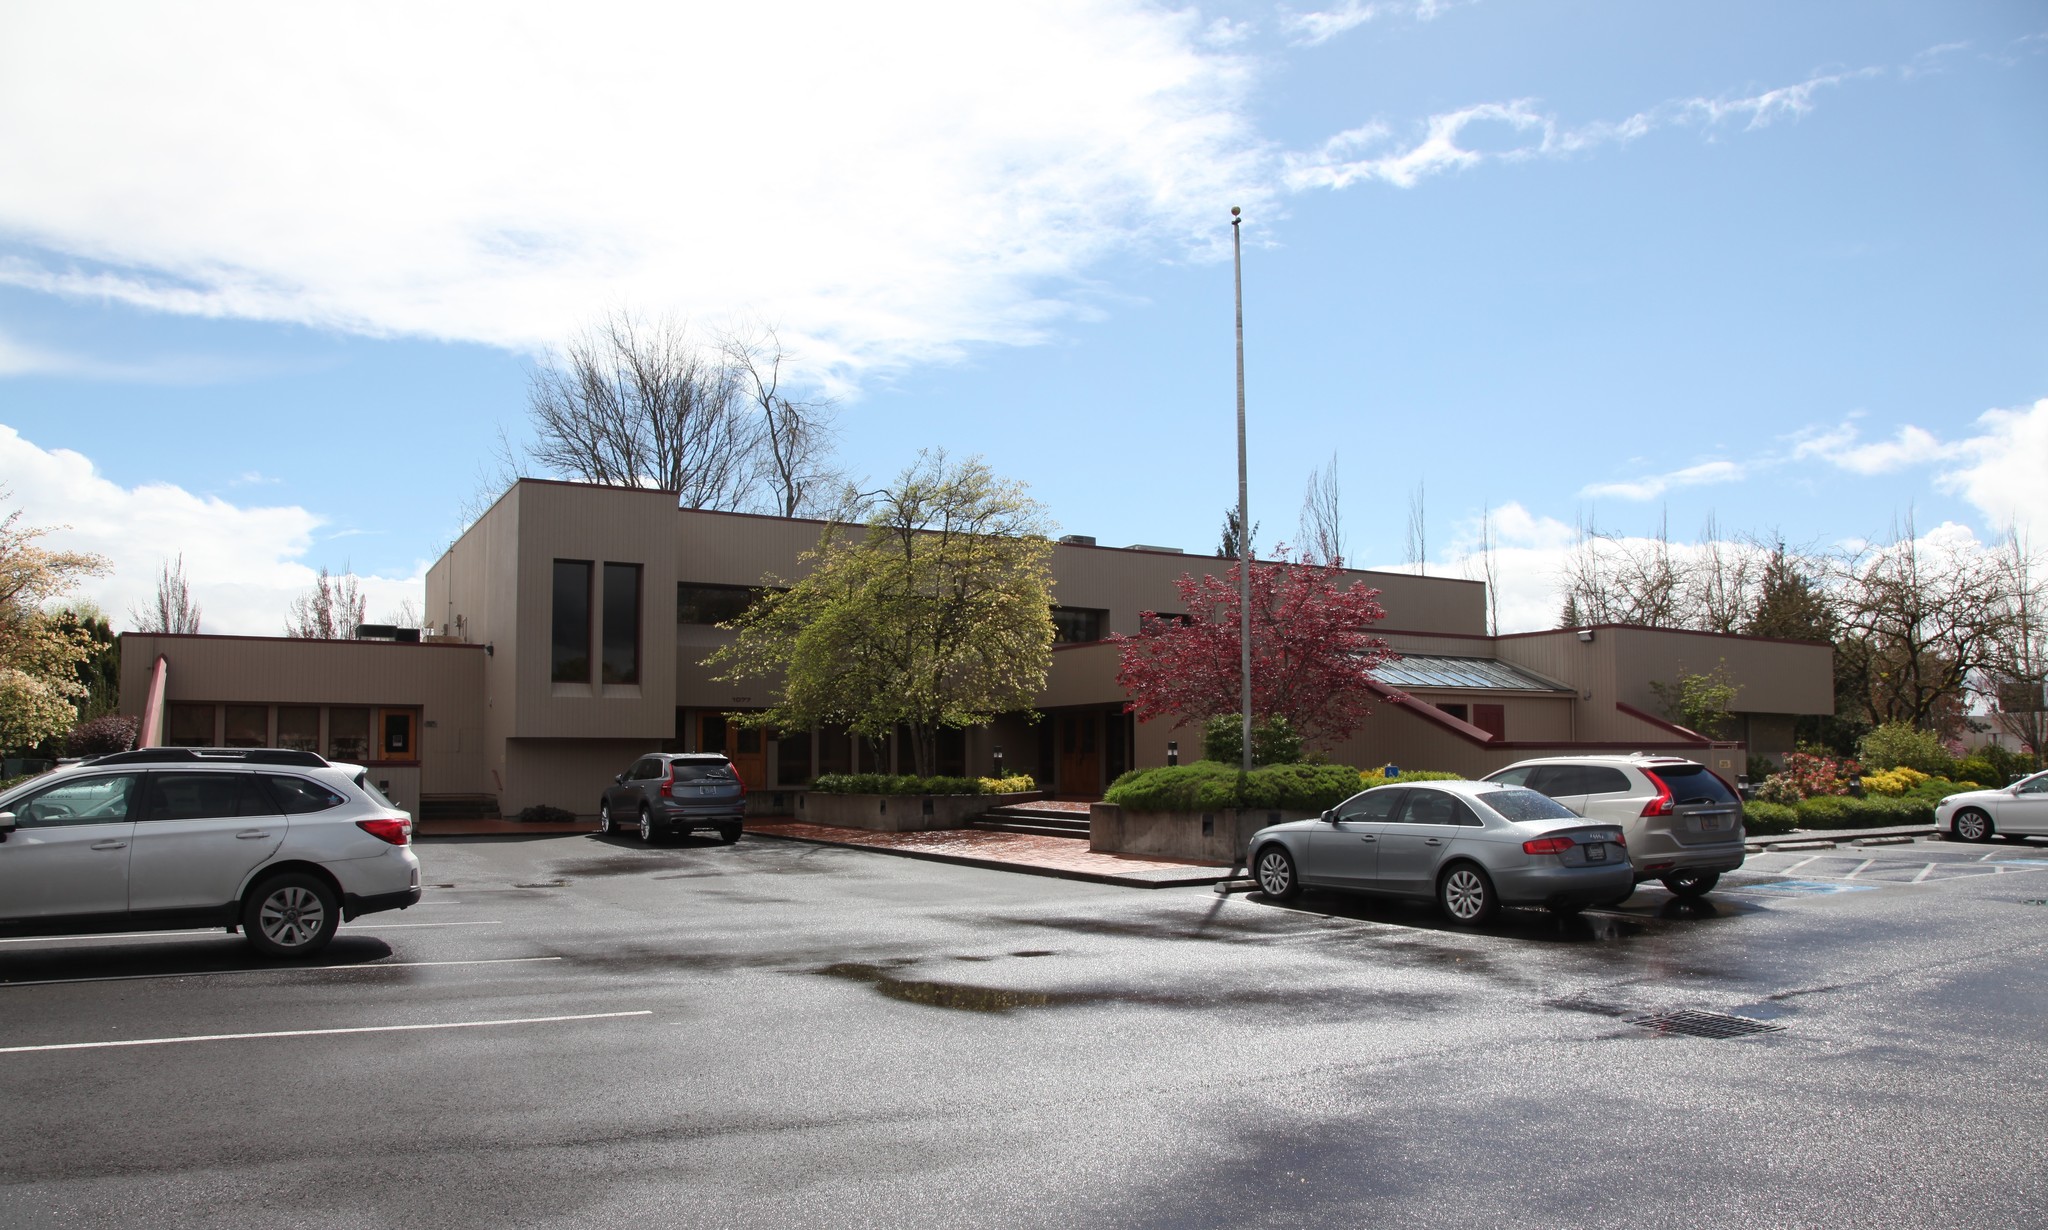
(318, 1033)
(1862, 866)
(1926, 871)
(481, 922)
(273, 969)
(1801, 863)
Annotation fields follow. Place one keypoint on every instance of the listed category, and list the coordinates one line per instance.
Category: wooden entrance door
(1078, 738)
(741, 744)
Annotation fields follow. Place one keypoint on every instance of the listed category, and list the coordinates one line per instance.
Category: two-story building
(570, 624)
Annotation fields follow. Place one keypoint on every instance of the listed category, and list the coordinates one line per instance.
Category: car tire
(1274, 870)
(291, 915)
(729, 834)
(647, 829)
(606, 826)
(1692, 883)
(1973, 824)
(1466, 896)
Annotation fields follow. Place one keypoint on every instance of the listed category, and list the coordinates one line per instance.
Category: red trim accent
(1660, 723)
(1431, 713)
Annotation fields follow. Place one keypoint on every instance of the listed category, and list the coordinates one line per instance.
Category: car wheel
(290, 916)
(605, 825)
(1466, 895)
(647, 833)
(1972, 825)
(729, 834)
(1692, 883)
(1275, 872)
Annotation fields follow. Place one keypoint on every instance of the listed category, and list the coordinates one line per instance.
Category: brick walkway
(1061, 857)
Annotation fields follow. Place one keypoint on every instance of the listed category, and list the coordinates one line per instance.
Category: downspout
(152, 732)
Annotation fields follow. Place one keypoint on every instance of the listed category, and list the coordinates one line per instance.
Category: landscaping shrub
(1765, 819)
(1209, 786)
(1274, 741)
(1899, 745)
(1994, 766)
(904, 783)
(1842, 812)
(1893, 781)
(1016, 783)
(541, 813)
(102, 736)
(1807, 775)
(1374, 777)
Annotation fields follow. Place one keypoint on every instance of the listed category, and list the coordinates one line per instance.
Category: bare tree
(406, 615)
(1925, 618)
(1322, 523)
(1717, 585)
(636, 404)
(174, 611)
(1418, 530)
(331, 610)
(795, 438)
(1488, 556)
(2016, 682)
(1611, 580)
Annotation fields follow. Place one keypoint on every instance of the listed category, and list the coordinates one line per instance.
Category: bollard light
(1172, 753)
(999, 760)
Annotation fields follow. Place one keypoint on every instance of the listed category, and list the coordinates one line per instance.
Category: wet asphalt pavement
(789, 1035)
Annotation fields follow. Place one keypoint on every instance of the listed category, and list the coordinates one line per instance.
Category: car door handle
(1367, 837)
(251, 834)
(1432, 841)
(110, 845)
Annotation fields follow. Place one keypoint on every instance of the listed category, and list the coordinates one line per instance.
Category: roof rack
(201, 755)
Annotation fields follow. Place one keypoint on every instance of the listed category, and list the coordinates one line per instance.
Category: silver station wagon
(1473, 847)
(279, 844)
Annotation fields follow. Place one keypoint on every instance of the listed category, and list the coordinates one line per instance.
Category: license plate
(1710, 824)
(1596, 853)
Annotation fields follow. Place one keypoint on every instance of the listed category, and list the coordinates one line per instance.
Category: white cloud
(1313, 28)
(244, 564)
(2005, 468)
(1354, 155)
(1842, 446)
(1657, 484)
(1223, 32)
(886, 183)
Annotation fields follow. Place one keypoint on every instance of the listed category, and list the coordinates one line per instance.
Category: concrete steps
(1038, 821)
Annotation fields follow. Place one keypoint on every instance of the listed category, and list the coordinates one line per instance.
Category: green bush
(1766, 819)
(1209, 786)
(893, 783)
(1897, 744)
(1842, 812)
(1016, 783)
(1993, 766)
(1274, 741)
(1374, 777)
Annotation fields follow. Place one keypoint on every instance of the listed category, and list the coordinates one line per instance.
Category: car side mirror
(620, 779)
(1330, 816)
(7, 824)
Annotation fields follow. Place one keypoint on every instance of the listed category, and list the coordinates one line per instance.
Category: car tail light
(397, 832)
(741, 782)
(668, 783)
(1661, 805)
(1548, 845)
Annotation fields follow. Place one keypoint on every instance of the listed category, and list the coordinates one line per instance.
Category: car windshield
(1693, 783)
(1518, 804)
(717, 771)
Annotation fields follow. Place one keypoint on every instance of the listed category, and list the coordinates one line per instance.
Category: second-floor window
(622, 623)
(571, 621)
(1076, 625)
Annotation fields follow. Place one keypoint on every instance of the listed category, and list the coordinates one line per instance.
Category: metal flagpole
(1244, 525)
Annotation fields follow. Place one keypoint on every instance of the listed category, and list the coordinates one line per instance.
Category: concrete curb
(987, 864)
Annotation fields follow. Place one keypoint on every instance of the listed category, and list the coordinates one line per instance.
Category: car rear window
(1693, 783)
(299, 796)
(701, 771)
(1518, 804)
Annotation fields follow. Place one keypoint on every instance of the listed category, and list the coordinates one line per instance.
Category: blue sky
(272, 281)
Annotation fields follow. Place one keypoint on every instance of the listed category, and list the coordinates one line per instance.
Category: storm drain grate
(1695, 1024)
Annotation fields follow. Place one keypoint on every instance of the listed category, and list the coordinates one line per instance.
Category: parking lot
(576, 1030)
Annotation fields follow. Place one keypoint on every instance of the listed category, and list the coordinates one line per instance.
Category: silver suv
(674, 792)
(279, 844)
(1684, 824)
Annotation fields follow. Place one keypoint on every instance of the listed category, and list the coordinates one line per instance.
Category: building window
(348, 735)
(188, 725)
(1075, 625)
(572, 621)
(396, 737)
(298, 727)
(1457, 711)
(621, 623)
(247, 726)
(712, 604)
(792, 758)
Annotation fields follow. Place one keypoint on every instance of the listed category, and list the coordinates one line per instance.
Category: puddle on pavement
(967, 997)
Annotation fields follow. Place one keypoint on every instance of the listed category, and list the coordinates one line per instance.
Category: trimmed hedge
(1374, 777)
(1769, 819)
(894, 783)
(1838, 811)
(1209, 786)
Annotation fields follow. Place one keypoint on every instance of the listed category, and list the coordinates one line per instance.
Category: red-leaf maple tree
(1312, 650)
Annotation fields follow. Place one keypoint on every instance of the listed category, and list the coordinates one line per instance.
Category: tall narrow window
(621, 623)
(572, 621)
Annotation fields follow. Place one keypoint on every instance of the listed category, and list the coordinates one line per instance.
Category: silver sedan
(1471, 846)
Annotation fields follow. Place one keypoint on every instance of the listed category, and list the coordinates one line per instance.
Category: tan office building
(570, 624)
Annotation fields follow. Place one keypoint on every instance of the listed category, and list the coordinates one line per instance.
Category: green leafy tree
(1699, 702)
(934, 613)
(1274, 740)
(1902, 745)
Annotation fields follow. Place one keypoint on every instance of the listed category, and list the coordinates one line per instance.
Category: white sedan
(2018, 810)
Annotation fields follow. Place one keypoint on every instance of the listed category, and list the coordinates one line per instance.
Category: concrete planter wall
(1217, 836)
(900, 813)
